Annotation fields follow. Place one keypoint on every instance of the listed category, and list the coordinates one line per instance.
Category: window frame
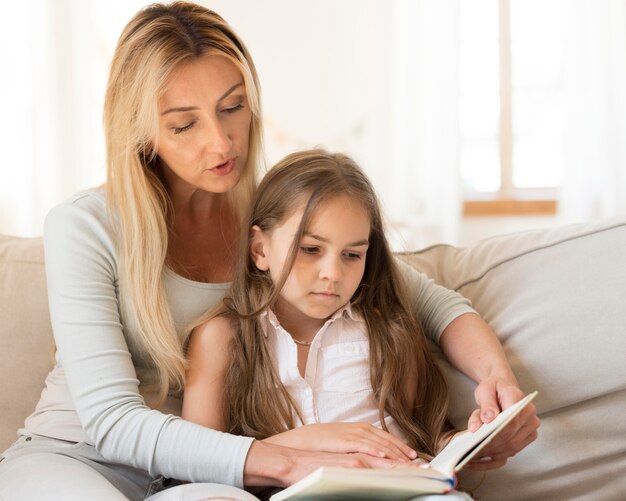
(509, 199)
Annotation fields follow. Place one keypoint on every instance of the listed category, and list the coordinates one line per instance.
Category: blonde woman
(131, 264)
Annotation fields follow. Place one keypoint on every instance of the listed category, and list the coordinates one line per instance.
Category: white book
(402, 483)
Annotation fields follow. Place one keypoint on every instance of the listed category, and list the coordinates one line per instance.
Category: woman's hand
(269, 464)
(473, 348)
(493, 395)
(345, 438)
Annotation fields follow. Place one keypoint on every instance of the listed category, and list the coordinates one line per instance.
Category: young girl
(317, 327)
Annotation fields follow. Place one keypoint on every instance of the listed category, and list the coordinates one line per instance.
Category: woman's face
(204, 126)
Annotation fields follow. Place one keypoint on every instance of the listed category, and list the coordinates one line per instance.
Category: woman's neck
(203, 239)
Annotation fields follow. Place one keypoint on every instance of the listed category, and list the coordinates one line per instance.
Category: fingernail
(488, 414)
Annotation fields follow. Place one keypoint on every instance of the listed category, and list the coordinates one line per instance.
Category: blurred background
(471, 117)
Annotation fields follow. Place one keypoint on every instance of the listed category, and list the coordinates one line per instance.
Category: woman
(130, 265)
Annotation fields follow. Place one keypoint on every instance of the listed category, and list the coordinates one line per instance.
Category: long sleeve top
(94, 392)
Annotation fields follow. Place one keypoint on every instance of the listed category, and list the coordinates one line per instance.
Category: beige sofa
(557, 299)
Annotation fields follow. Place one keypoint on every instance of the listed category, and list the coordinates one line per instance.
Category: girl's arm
(345, 438)
(208, 356)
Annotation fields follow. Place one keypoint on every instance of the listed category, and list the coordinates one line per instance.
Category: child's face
(329, 265)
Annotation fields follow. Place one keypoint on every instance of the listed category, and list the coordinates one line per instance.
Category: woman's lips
(224, 169)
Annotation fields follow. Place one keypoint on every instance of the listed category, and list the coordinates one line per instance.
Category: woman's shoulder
(84, 209)
(80, 221)
(91, 201)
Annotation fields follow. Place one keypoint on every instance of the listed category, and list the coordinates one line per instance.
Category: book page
(347, 484)
(464, 446)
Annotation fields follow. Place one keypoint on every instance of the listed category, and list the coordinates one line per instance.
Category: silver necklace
(302, 343)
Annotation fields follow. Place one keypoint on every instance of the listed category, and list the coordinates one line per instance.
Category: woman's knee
(202, 492)
(44, 476)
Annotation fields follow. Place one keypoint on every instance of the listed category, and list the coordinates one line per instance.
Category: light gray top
(94, 394)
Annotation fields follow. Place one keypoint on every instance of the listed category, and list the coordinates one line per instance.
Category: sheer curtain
(595, 133)
(382, 84)
(424, 124)
(55, 59)
(48, 118)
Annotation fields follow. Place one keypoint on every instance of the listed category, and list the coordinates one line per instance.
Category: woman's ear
(258, 248)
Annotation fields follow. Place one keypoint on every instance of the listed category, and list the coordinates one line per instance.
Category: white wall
(326, 69)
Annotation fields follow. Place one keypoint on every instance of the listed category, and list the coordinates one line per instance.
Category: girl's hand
(345, 438)
(493, 395)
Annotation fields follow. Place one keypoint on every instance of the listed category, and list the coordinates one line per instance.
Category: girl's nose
(330, 269)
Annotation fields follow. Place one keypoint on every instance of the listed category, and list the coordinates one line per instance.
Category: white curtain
(424, 137)
(55, 55)
(397, 113)
(47, 115)
(595, 129)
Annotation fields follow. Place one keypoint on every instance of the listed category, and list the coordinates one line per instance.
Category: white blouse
(336, 386)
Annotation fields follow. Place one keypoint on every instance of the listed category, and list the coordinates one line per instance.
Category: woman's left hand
(494, 395)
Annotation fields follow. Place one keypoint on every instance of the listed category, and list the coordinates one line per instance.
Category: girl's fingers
(390, 445)
(396, 443)
(376, 450)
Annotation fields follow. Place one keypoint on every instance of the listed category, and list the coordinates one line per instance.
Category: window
(511, 105)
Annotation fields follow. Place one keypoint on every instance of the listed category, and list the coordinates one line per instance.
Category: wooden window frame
(509, 200)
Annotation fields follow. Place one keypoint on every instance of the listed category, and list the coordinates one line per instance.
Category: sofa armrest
(557, 300)
(26, 343)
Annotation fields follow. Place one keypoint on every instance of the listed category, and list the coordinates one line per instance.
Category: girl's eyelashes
(349, 255)
(179, 130)
(309, 249)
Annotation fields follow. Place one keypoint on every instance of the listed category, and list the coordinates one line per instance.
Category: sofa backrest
(26, 344)
(557, 299)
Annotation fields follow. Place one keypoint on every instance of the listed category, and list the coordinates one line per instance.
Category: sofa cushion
(557, 299)
(26, 345)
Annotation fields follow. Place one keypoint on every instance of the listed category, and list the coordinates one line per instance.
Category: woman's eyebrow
(230, 91)
(179, 109)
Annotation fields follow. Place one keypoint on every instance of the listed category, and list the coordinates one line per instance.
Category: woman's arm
(90, 332)
(472, 347)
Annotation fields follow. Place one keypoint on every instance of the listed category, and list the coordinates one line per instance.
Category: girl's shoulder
(209, 344)
(216, 330)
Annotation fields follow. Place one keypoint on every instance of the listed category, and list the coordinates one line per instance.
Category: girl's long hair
(405, 378)
(153, 44)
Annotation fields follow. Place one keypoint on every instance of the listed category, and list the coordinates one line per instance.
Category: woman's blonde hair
(405, 378)
(153, 44)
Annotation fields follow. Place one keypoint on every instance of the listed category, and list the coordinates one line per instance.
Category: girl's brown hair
(405, 378)
(153, 44)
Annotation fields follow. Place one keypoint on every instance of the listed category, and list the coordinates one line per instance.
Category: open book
(404, 483)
